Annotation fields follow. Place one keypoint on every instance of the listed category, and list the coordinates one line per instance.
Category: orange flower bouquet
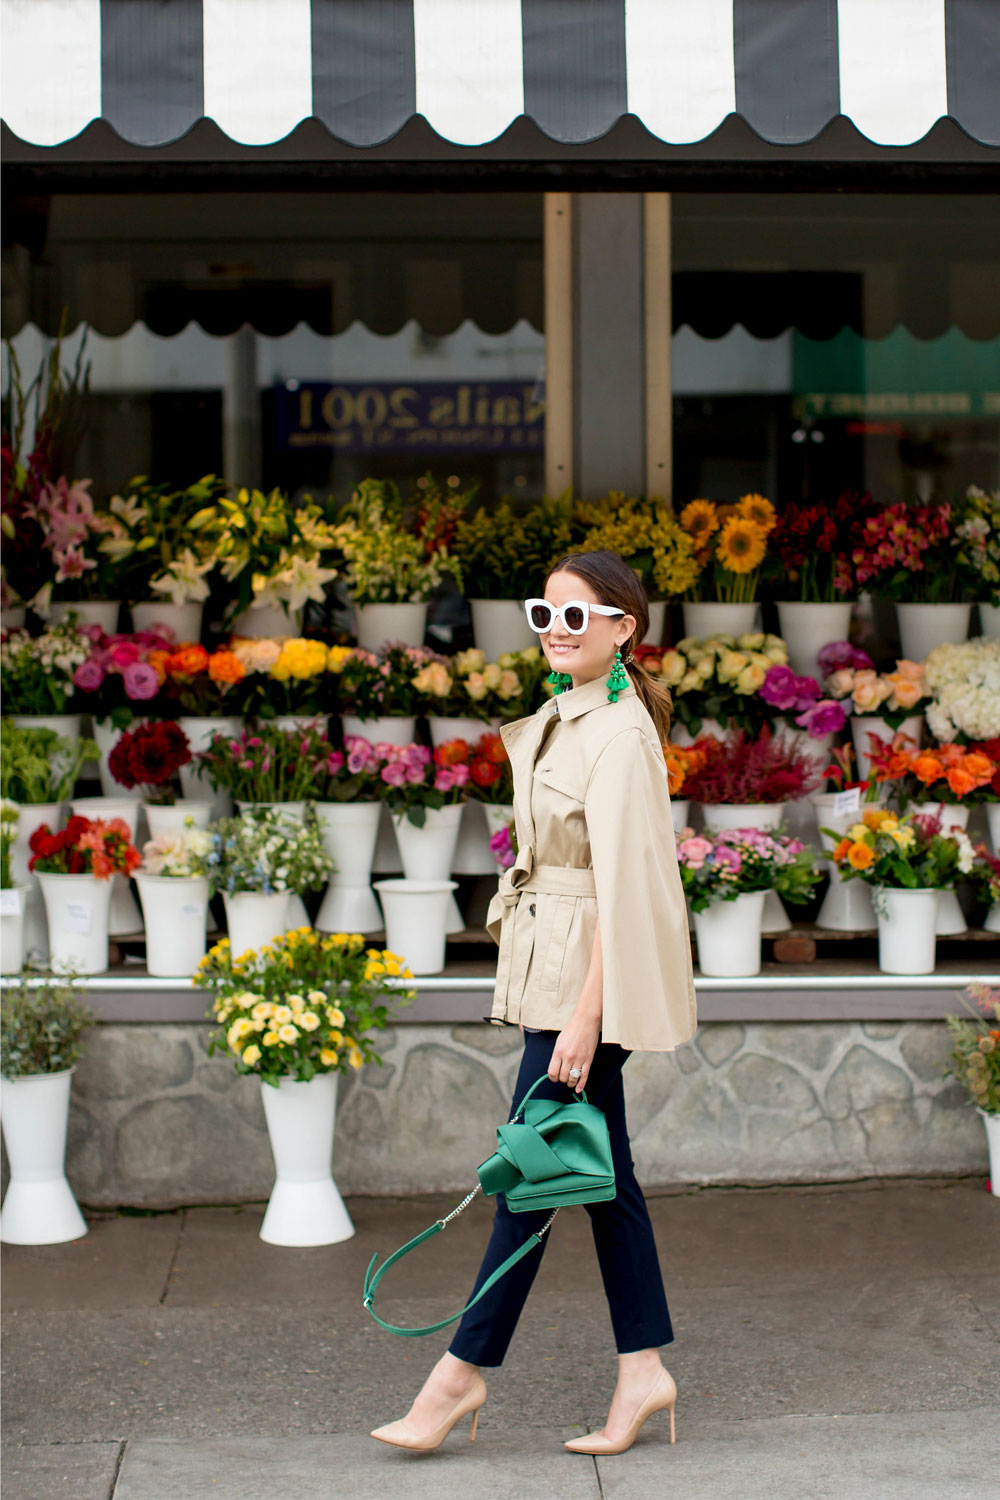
(948, 774)
(904, 853)
(730, 543)
(202, 683)
(681, 761)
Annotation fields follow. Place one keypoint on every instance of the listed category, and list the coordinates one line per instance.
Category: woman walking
(594, 964)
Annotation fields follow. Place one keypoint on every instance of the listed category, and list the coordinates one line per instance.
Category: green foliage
(41, 1026)
(507, 555)
(38, 765)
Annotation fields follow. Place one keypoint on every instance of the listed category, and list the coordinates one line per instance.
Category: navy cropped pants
(623, 1235)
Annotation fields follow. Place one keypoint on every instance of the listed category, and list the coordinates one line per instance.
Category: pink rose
(124, 654)
(88, 676)
(694, 851)
(822, 718)
(141, 680)
(394, 774)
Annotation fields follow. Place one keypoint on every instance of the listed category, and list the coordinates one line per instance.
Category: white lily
(131, 511)
(183, 581)
(301, 579)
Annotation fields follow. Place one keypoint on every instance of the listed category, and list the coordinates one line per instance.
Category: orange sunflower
(755, 508)
(699, 520)
(742, 545)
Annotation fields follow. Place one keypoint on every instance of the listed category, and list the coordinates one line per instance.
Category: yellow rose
(870, 691)
(251, 1055)
(492, 675)
(751, 640)
(298, 1004)
(336, 1039)
(704, 669)
(672, 667)
(355, 1057)
(309, 1020)
(689, 682)
(335, 1015)
(282, 1015)
(269, 1038)
(316, 997)
(327, 1058)
(288, 1034)
(475, 686)
(731, 664)
(473, 660)
(509, 685)
(751, 679)
(263, 1010)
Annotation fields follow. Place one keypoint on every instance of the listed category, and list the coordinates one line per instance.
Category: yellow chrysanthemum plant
(305, 1004)
(730, 543)
(648, 535)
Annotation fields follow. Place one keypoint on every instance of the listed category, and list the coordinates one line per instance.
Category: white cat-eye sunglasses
(575, 614)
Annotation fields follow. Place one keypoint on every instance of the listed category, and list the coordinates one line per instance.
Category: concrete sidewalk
(839, 1342)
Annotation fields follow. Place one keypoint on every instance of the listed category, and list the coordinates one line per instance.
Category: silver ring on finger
(576, 1072)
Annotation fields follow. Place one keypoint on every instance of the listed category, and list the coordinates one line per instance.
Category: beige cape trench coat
(594, 832)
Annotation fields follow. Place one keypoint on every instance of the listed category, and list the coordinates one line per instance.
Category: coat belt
(525, 876)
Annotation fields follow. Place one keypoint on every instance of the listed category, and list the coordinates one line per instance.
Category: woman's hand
(575, 1047)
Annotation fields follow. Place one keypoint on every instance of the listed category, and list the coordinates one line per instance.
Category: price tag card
(847, 802)
(192, 909)
(10, 903)
(79, 917)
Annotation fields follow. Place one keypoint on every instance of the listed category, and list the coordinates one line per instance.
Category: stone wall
(157, 1122)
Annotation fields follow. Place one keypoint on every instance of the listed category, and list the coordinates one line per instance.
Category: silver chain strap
(462, 1206)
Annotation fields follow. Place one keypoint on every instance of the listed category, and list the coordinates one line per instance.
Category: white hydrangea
(964, 682)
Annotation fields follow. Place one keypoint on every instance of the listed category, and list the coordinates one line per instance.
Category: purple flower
(394, 775)
(444, 780)
(141, 680)
(840, 654)
(779, 687)
(413, 774)
(822, 718)
(88, 676)
(806, 691)
(727, 859)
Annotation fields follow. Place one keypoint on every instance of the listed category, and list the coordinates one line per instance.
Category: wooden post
(659, 332)
(558, 343)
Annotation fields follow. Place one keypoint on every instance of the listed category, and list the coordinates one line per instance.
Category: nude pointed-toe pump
(398, 1435)
(662, 1396)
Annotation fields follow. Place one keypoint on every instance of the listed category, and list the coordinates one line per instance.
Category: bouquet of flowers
(837, 776)
(286, 676)
(490, 776)
(302, 1005)
(38, 674)
(904, 853)
(730, 543)
(722, 866)
(179, 852)
(647, 534)
(370, 685)
(123, 674)
(938, 773)
(850, 678)
(205, 683)
(87, 846)
(415, 778)
(975, 1054)
(76, 535)
(502, 554)
(386, 560)
(41, 1025)
(270, 765)
(964, 686)
(38, 765)
(149, 533)
(746, 769)
(150, 757)
(267, 549)
(471, 686)
(718, 678)
(978, 535)
(681, 761)
(910, 553)
(801, 698)
(810, 549)
(352, 774)
(266, 851)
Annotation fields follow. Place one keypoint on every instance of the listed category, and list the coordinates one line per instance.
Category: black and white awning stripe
(258, 68)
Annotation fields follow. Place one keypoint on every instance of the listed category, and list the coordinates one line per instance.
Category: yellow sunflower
(755, 508)
(741, 546)
(699, 520)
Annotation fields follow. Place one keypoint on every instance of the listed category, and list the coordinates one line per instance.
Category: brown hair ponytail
(615, 583)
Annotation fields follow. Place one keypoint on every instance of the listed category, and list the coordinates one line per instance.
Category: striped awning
(364, 69)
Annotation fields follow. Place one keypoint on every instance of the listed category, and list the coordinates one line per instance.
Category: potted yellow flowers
(296, 1013)
(647, 534)
(730, 543)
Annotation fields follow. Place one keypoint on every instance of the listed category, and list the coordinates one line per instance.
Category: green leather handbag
(548, 1156)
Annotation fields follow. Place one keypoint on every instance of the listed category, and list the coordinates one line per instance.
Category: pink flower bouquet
(722, 866)
(801, 698)
(123, 675)
(415, 778)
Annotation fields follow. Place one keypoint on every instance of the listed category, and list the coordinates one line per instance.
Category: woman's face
(589, 655)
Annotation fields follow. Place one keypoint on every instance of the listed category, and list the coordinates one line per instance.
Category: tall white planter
(657, 620)
(498, 815)
(305, 1207)
(295, 914)
(715, 618)
(992, 1123)
(377, 623)
(445, 727)
(989, 619)
(389, 729)
(253, 918)
(77, 908)
(473, 855)
(764, 815)
(500, 625)
(728, 935)
(993, 824)
(924, 626)
(807, 628)
(13, 902)
(102, 612)
(349, 831)
(906, 930)
(107, 737)
(35, 928)
(683, 737)
(428, 853)
(182, 620)
(164, 817)
(680, 808)
(416, 920)
(950, 916)
(863, 725)
(847, 905)
(176, 912)
(268, 619)
(124, 918)
(200, 731)
(39, 1208)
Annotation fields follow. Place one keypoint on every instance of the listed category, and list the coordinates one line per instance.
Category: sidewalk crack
(172, 1268)
(118, 1469)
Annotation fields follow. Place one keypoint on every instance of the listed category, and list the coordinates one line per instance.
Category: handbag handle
(578, 1098)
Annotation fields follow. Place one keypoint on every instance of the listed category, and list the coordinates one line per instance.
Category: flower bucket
(950, 916)
(390, 729)
(924, 626)
(444, 727)
(13, 905)
(428, 853)
(254, 918)
(171, 817)
(679, 814)
(993, 824)
(657, 621)
(176, 912)
(305, 1207)
(296, 914)
(200, 730)
(39, 1208)
(377, 623)
(764, 815)
(681, 736)
(716, 618)
(847, 905)
(806, 628)
(989, 619)
(906, 930)
(182, 620)
(386, 860)
(992, 1123)
(500, 625)
(77, 908)
(268, 619)
(473, 855)
(35, 929)
(498, 815)
(124, 918)
(107, 737)
(862, 725)
(416, 916)
(102, 612)
(991, 922)
(349, 831)
(728, 935)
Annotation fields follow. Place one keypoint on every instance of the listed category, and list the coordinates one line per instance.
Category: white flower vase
(349, 831)
(386, 860)
(102, 612)
(254, 918)
(473, 855)
(77, 908)
(728, 935)
(713, 617)
(763, 815)
(993, 824)
(847, 905)
(200, 731)
(498, 815)
(500, 625)
(107, 737)
(416, 921)
(13, 905)
(176, 913)
(267, 619)
(863, 725)
(806, 628)
(39, 1208)
(907, 934)
(305, 1206)
(182, 621)
(125, 918)
(924, 626)
(428, 853)
(683, 737)
(35, 928)
(389, 729)
(950, 916)
(989, 620)
(992, 1123)
(377, 623)
(163, 817)
(657, 621)
(445, 727)
(991, 922)
(680, 809)
(296, 915)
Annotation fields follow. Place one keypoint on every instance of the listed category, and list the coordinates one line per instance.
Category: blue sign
(424, 417)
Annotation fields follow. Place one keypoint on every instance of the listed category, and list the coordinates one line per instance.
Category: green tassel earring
(618, 679)
(560, 681)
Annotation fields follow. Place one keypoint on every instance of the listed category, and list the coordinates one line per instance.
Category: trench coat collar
(593, 694)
